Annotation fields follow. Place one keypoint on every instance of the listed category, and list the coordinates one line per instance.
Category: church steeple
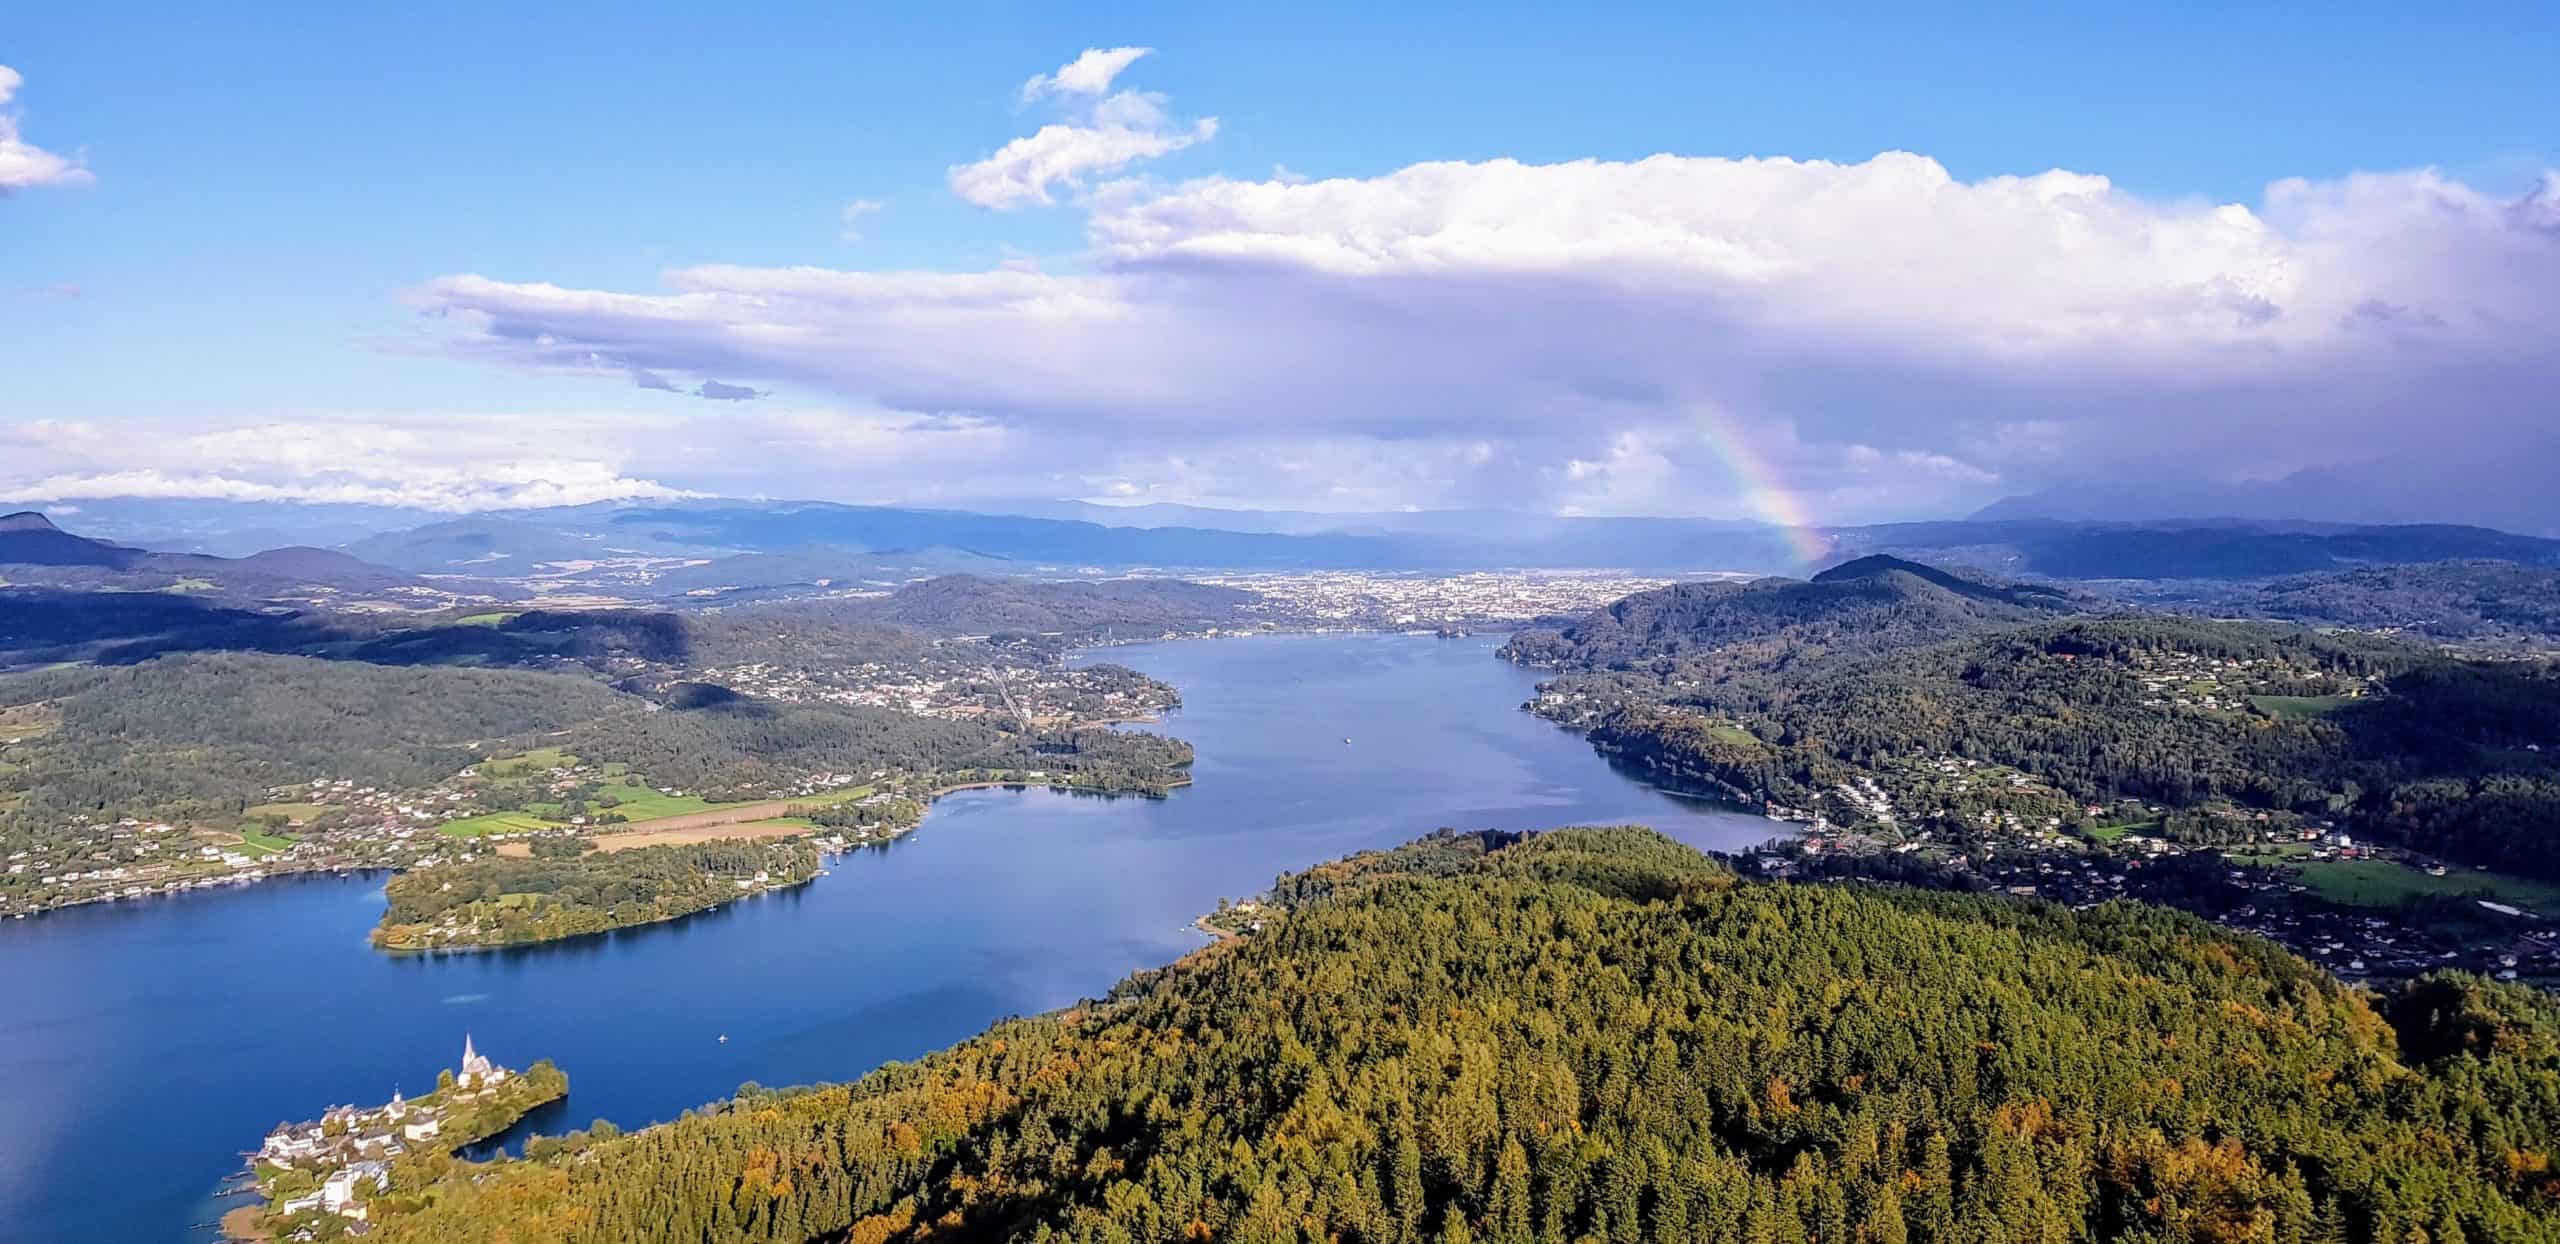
(472, 1063)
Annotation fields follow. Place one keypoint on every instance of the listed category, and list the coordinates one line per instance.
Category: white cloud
(1025, 170)
(1098, 138)
(452, 463)
(853, 214)
(1088, 74)
(461, 463)
(24, 165)
(1884, 338)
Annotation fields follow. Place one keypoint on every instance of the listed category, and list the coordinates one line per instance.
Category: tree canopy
(1599, 1034)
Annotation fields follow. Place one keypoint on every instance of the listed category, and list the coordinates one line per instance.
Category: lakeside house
(348, 1151)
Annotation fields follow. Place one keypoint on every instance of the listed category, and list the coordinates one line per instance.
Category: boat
(724, 1038)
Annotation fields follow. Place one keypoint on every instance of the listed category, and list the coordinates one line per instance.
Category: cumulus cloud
(1874, 338)
(1088, 74)
(24, 165)
(1099, 138)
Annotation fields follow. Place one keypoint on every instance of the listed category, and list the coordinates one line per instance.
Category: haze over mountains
(36, 552)
(729, 550)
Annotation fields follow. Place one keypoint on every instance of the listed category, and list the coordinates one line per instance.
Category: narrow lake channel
(145, 1045)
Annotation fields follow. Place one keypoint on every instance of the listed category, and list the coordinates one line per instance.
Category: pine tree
(1510, 1208)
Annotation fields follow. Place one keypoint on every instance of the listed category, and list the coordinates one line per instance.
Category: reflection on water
(146, 1044)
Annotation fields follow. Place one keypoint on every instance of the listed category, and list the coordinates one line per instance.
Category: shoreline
(883, 839)
(246, 1224)
(471, 948)
(1045, 784)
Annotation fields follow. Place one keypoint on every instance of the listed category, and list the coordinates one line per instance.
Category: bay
(144, 1045)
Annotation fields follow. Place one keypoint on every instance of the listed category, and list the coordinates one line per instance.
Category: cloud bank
(1796, 340)
(447, 462)
(1674, 334)
(468, 462)
(23, 165)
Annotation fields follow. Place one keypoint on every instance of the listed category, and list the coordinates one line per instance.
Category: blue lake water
(144, 1045)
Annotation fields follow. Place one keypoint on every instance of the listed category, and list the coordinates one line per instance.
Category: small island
(321, 1179)
(569, 889)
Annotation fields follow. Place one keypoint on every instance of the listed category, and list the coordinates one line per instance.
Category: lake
(146, 1044)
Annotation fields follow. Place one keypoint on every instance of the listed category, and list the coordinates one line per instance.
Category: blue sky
(268, 193)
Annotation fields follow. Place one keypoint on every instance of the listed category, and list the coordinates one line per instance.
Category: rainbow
(1761, 488)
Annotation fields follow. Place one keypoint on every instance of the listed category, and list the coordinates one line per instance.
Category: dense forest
(2467, 601)
(207, 734)
(498, 901)
(1783, 690)
(1598, 1034)
(2441, 754)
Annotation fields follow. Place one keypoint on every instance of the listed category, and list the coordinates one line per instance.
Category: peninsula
(332, 1176)
(566, 889)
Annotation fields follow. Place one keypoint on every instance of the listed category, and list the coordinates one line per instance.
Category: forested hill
(2454, 758)
(208, 735)
(1597, 1034)
(2455, 600)
(1872, 601)
(205, 736)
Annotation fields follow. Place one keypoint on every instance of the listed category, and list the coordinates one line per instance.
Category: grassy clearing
(258, 842)
(2109, 833)
(2381, 883)
(499, 618)
(833, 797)
(495, 823)
(29, 721)
(296, 813)
(638, 806)
(539, 760)
(2300, 706)
(639, 803)
(632, 840)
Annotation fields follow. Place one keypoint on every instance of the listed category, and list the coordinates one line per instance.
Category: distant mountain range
(734, 551)
(2510, 491)
(36, 553)
(2208, 549)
